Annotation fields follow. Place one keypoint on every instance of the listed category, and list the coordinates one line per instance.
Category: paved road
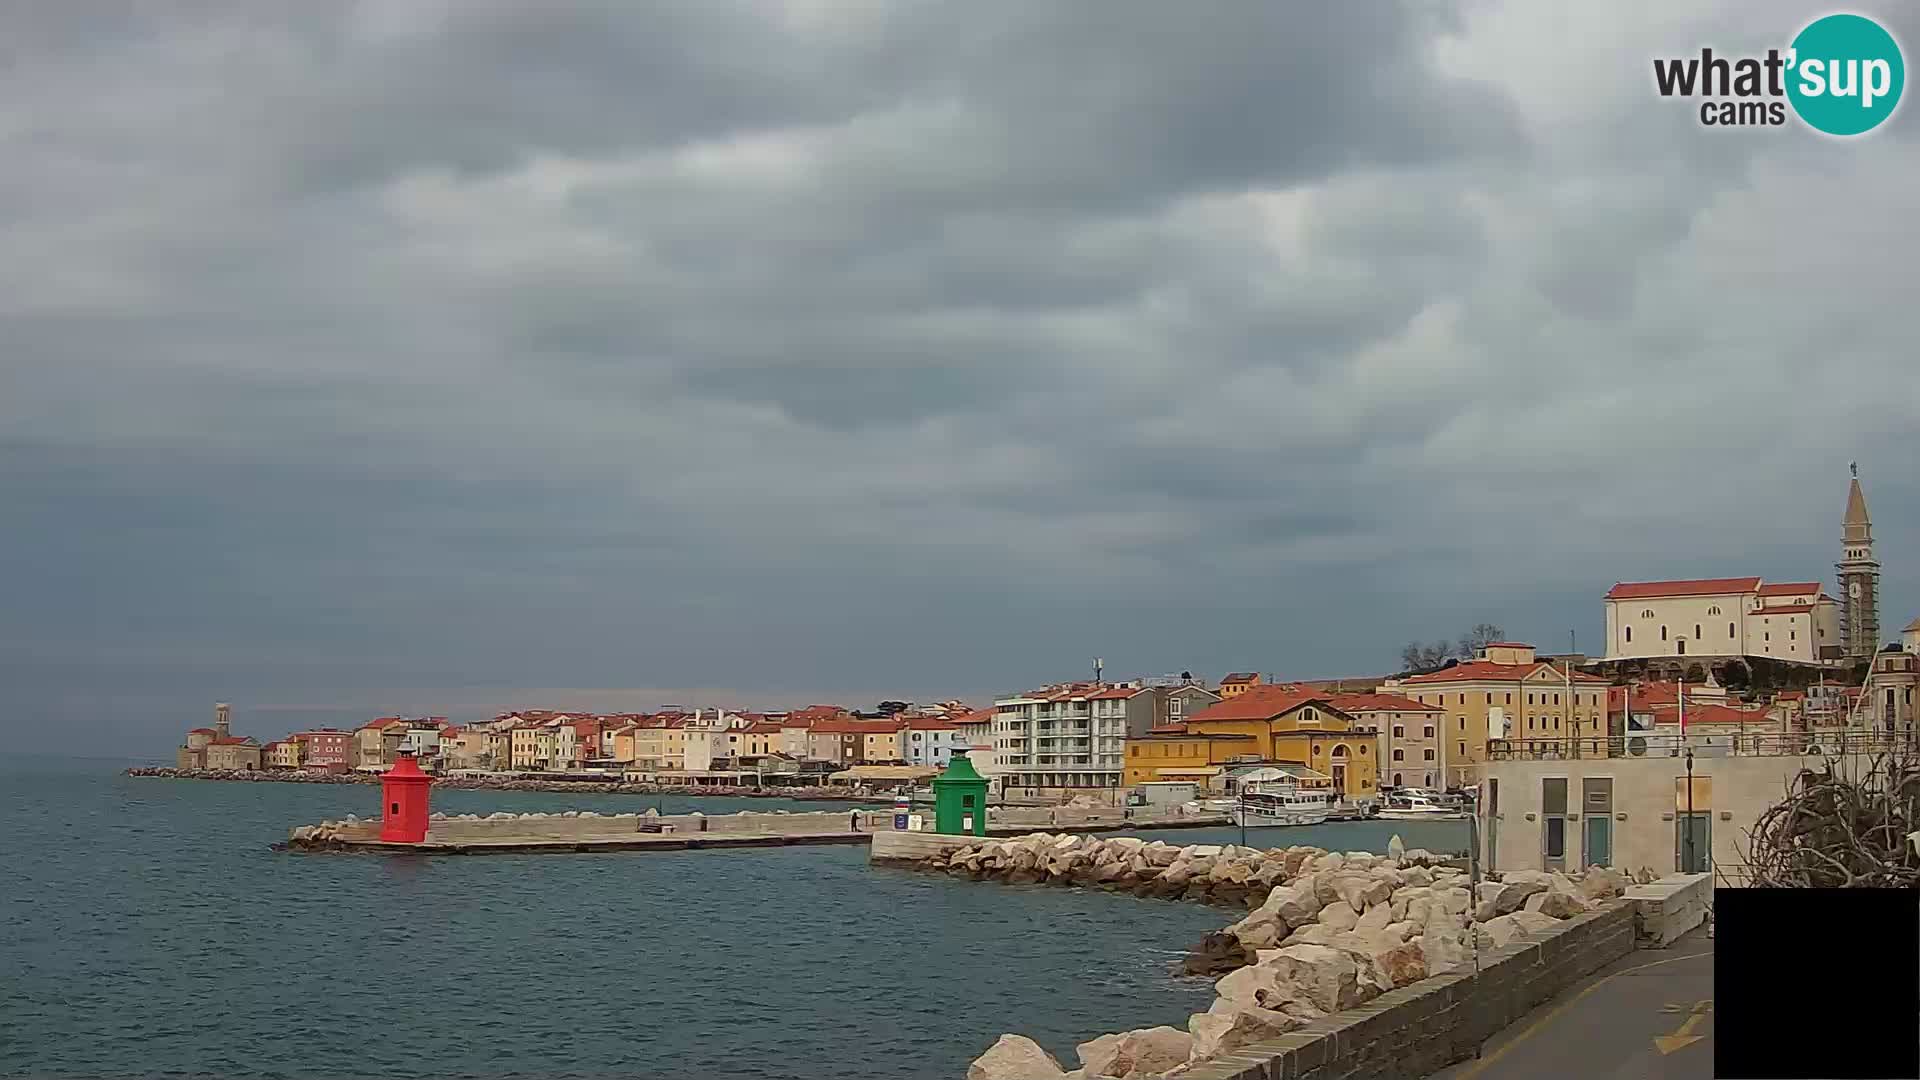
(1648, 1016)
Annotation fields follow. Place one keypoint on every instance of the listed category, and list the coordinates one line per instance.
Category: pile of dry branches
(1847, 825)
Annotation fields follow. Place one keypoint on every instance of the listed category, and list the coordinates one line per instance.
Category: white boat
(1416, 806)
(1280, 802)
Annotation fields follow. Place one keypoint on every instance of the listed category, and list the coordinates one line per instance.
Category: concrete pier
(591, 832)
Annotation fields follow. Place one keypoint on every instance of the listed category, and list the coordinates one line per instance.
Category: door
(1693, 842)
(1339, 781)
(1599, 847)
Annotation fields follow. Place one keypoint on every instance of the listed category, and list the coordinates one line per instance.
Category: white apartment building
(1717, 617)
(1065, 737)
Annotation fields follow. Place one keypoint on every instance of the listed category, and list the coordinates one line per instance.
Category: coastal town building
(1722, 617)
(325, 748)
(1505, 693)
(1406, 736)
(1859, 575)
(1238, 683)
(376, 742)
(1061, 738)
(931, 741)
(1269, 724)
(1887, 703)
(233, 752)
(283, 754)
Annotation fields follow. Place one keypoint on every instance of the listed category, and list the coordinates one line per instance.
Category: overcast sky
(442, 357)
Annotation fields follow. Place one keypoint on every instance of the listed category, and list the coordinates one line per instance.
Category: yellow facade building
(1278, 724)
(1507, 693)
(1238, 683)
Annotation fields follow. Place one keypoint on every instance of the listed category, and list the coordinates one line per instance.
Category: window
(1663, 633)
(1463, 749)
(1529, 699)
(1556, 838)
(1714, 610)
(1429, 731)
(1399, 754)
(1729, 630)
(1400, 731)
(1429, 753)
(1461, 722)
(1509, 697)
(1766, 637)
(1696, 631)
(1463, 699)
(1629, 633)
(1647, 614)
(1363, 749)
(1489, 697)
(1556, 699)
(1399, 780)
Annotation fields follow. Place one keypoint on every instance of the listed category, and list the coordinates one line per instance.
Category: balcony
(1704, 744)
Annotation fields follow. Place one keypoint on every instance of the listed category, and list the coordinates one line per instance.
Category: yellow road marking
(1684, 1037)
(1552, 1014)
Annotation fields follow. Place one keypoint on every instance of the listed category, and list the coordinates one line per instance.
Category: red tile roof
(1240, 677)
(1711, 715)
(1359, 703)
(1646, 590)
(976, 716)
(1115, 693)
(763, 727)
(1488, 671)
(1260, 703)
(234, 740)
(930, 723)
(855, 727)
(1789, 588)
(203, 731)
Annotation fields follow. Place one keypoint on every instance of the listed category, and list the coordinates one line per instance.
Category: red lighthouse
(403, 794)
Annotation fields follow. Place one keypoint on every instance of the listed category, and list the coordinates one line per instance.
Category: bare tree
(1851, 824)
(1419, 659)
(1481, 636)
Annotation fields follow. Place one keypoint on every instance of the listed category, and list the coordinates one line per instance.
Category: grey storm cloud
(413, 355)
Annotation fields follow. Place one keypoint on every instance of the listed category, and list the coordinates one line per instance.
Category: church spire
(1859, 575)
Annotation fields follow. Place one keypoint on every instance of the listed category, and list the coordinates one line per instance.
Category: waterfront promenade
(1648, 1016)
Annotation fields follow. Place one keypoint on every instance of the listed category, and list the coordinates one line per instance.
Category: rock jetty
(1326, 931)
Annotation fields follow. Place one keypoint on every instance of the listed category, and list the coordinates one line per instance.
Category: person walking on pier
(853, 822)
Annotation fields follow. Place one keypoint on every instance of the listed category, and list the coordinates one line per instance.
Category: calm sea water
(150, 931)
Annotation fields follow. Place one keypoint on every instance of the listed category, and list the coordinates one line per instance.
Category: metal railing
(1831, 742)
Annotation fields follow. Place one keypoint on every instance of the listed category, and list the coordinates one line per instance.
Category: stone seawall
(1327, 959)
(1417, 1030)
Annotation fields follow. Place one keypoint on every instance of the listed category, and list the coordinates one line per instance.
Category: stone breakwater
(483, 783)
(1326, 932)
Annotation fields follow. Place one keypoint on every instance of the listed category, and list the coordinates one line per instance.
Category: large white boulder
(1015, 1057)
(1218, 1032)
(1373, 920)
(1339, 915)
(1325, 976)
(1498, 931)
(1142, 1053)
(1443, 950)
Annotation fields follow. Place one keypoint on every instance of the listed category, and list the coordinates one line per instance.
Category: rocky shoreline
(471, 783)
(1327, 931)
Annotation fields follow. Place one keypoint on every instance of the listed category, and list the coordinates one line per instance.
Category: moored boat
(1280, 802)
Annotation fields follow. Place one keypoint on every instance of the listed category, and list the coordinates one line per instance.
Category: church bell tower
(1859, 577)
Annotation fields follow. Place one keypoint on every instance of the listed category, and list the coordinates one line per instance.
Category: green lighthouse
(960, 799)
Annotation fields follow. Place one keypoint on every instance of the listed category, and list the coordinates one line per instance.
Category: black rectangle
(1816, 983)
